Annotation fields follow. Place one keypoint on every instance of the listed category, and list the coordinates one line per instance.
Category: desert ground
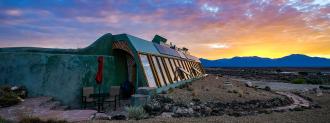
(219, 98)
(212, 88)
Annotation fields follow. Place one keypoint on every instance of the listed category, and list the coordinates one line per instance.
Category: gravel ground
(307, 116)
(212, 89)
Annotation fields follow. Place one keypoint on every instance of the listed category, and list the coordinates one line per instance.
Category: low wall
(61, 76)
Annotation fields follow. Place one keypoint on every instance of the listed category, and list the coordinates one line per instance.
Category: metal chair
(114, 96)
(86, 99)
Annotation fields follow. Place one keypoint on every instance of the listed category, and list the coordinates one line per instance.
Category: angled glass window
(175, 68)
(169, 68)
(182, 66)
(148, 71)
(161, 64)
(187, 68)
(158, 71)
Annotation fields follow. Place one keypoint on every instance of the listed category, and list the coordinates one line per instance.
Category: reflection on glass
(175, 69)
(181, 65)
(161, 80)
(187, 68)
(163, 70)
(169, 69)
(148, 71)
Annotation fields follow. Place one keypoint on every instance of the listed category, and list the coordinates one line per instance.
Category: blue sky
(209, 28)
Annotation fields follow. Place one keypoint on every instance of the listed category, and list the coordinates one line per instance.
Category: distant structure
(62, 73)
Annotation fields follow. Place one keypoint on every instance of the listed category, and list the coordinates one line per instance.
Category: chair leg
(115, 104)
(119, 101)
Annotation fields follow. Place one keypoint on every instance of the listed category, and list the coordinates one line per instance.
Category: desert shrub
(298, 81)
(8, 99)
(190, 89)
(2, 120)
(267, 88)
(136, 112)
(315, 81)
(303, 73)
(193, 94)
(171, 90)
(38, 120)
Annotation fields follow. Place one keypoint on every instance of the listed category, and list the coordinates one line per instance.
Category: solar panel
(192, 58)
(166, 50)
(182, 55)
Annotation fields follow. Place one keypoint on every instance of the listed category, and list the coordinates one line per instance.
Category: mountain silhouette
(294, 60)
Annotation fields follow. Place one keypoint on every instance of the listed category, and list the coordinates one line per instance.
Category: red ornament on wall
(99, 74)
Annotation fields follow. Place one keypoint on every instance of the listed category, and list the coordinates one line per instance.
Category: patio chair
(114, 96)
(86, 99)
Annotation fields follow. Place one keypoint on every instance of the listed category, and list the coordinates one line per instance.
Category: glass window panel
(180, 64)
(169, 67)
(187, 68)
(161, 80)
(163, 70)
(148, 71)
(183, 66)
(174, 64)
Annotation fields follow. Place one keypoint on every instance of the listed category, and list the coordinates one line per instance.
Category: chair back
(114, 90)
(87, 91)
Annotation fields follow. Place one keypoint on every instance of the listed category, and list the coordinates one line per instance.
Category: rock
(248, 84)
(319, 92)
(324, 87)
(184, 112)
(101, 116)
(168, 107)
(166, 115)
(118, 117)
(267, 88)
(298, 108)
(196, 100)
(316, 105)
(208, 110)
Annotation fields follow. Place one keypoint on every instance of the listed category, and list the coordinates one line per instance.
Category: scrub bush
(298, 81)
(2, 120)
(136, 113)
(8, 99)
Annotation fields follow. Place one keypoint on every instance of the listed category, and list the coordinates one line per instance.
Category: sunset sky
(210, 29)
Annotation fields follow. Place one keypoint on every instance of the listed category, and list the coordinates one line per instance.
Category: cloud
(218, 46)
(247, 27)
(14, 12)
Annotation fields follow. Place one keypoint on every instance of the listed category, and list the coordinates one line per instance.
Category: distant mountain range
(294, 60)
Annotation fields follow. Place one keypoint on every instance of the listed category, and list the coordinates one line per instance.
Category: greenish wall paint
(53, 69)
(61, 76)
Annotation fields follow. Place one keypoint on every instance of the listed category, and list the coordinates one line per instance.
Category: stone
(101, 116)
(166, 115)
(267, 88)
(248, 84)
(118, 117)
(319, 92)
(168, 107)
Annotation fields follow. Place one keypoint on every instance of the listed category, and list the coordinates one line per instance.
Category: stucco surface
(61, 76)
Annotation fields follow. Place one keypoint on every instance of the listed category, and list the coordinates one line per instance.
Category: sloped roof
(142, 45)
(145, 46)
